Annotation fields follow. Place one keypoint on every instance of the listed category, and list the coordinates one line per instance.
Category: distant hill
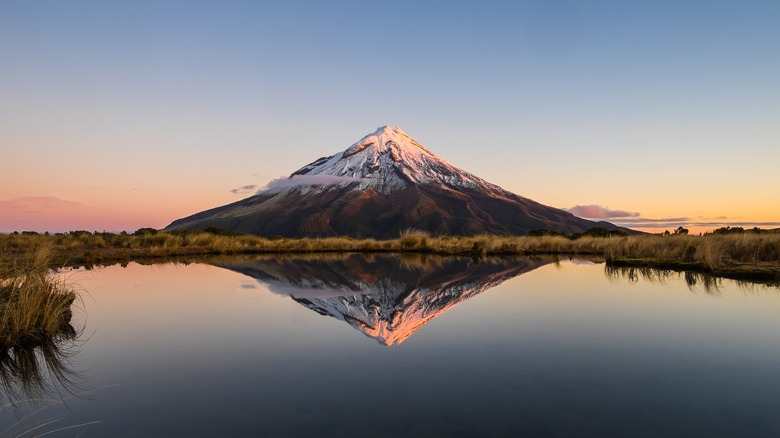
(383, 184)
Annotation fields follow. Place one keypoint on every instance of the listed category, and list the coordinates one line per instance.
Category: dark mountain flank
(381, 185)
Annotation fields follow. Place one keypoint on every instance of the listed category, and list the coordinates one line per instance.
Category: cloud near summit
(310, 180)
(599, 212)
(249, 188)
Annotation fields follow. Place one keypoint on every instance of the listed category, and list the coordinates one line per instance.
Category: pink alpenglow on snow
(381, 185)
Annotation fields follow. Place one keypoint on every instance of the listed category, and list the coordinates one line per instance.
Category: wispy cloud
(37, 212)
(36, 203)
(665, 223)
(669, 220)
(600, 212)
(634, 220)
(311, 180)
(54, 214)
(249, 188)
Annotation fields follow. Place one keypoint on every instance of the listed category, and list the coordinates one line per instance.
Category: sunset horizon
(57, 215)
(122, 116)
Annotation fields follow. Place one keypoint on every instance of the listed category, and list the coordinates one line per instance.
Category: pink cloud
(49, 213)
(37, 203)
(599, 212)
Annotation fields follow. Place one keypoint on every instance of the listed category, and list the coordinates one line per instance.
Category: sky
(652, 114)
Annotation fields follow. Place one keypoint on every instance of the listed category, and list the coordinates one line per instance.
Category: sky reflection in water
(525, 346)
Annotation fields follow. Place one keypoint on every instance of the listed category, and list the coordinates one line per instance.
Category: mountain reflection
(386, 297)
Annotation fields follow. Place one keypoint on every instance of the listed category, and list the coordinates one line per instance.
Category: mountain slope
(381, 185)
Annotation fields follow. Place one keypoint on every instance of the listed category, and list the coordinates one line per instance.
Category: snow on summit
(389, 159)
(383, 184)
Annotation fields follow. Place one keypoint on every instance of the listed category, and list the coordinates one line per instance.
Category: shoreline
(745, 256)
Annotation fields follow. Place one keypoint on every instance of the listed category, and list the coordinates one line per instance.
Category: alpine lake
(353, 345)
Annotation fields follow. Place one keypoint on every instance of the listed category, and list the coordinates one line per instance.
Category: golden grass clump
(414, 239)
(35, 307)
(36, 338)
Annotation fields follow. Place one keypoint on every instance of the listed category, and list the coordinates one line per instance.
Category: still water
(406, 346)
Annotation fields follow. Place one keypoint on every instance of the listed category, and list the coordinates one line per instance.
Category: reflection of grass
(26, 370)
(709, 283)
(36, 341)
(745, 255)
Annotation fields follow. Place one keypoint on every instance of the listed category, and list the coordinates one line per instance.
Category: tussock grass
(35, 307)
(737, 255)
(36, 337)
(710, 251)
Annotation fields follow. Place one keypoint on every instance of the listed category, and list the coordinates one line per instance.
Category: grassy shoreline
(746, 256)
(35, 307)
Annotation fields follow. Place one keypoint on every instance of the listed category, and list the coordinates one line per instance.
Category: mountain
(387, 298)
(383, 184)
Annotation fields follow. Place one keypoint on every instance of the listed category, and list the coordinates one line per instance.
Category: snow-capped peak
(389, 159)
(386, 138)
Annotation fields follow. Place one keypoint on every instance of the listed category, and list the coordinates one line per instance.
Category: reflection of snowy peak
(391, 160)
(391, 313)
(378, 187)
(387, 298)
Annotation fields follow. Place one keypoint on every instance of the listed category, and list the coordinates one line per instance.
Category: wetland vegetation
(35, 306)
(753, 254)
(36, 340)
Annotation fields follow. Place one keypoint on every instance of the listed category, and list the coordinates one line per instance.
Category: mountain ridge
(383, 184)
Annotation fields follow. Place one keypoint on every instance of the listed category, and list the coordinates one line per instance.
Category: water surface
(387, 346)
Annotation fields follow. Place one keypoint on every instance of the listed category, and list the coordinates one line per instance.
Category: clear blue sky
(155, 110)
